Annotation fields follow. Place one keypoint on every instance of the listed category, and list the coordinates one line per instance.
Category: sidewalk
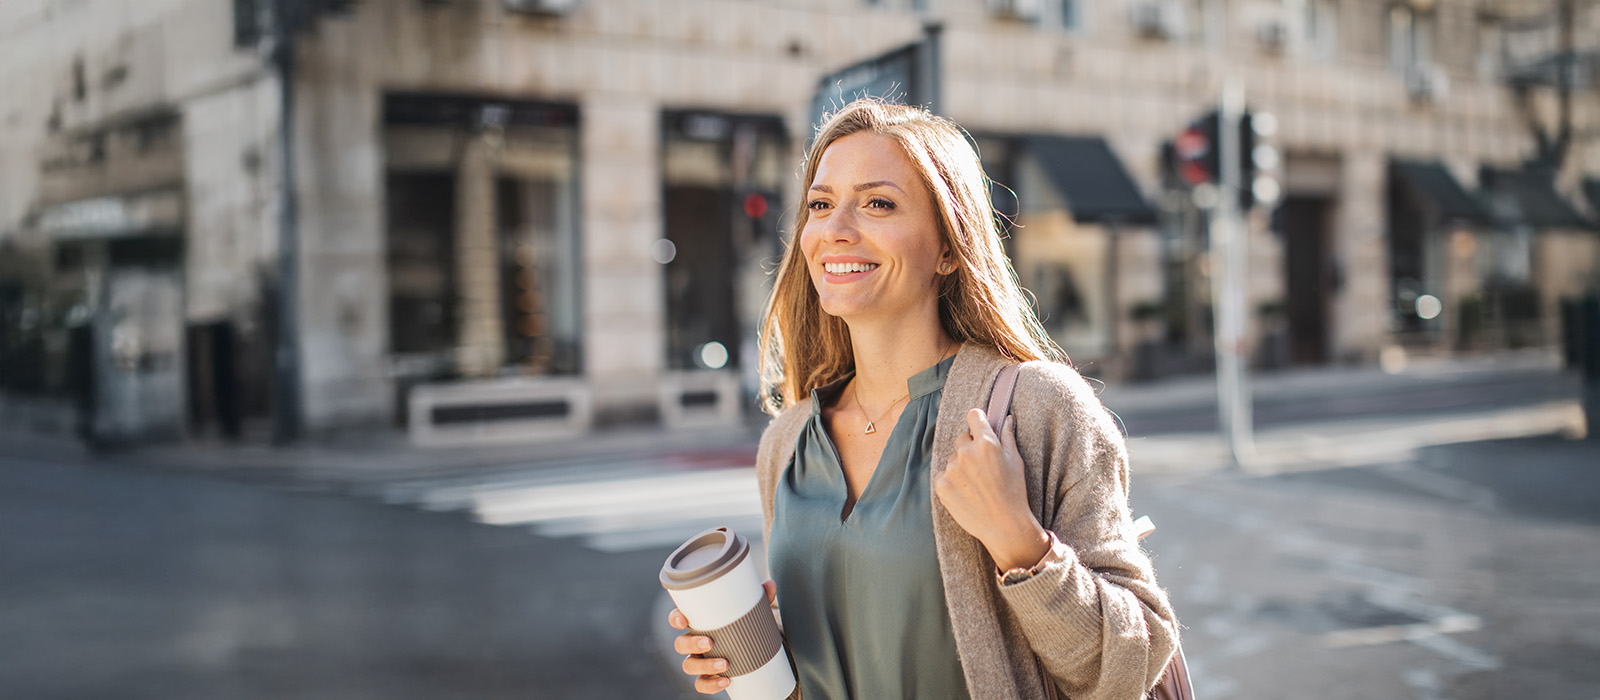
(1349, 443)
(355, 464)
(1200, 391)
(388, 456)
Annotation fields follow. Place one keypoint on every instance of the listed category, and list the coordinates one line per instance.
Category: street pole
(1588, 332)
(286, 364)
(1229, 272)
(928, 68)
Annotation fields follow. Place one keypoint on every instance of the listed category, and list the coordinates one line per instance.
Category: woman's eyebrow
(877, 183)
(859, 188)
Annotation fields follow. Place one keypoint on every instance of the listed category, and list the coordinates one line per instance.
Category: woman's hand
(984, 489)
(705, 670)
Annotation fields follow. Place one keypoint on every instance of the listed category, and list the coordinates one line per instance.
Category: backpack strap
(1005, 386)
(1000, 396)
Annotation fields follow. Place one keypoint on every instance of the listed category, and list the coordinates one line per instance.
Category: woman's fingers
(691, 644)
(709, 685)
(694, 646)
(705, 670)
(702, 666)
(978, 423)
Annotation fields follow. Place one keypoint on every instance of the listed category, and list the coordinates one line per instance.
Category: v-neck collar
(918, 385)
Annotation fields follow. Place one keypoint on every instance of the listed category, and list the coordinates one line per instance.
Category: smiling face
(871, 240)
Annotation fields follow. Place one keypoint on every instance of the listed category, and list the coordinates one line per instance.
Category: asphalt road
(1467, 573)
(119, 584)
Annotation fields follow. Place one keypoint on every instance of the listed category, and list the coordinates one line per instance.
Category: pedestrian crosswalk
(610, 506)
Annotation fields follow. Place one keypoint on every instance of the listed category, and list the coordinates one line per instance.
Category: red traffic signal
(755, 205)
(1190, 149)
(1195, 152)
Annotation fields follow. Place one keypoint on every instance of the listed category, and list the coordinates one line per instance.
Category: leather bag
(1174, 681)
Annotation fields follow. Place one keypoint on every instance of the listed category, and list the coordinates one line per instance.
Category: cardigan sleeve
(773, 456)
(1093, 612)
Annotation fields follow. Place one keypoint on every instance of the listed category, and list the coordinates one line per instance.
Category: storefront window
(721, 174)
(483, 245)
(1061, 260)
(539, 259)
(421, 257)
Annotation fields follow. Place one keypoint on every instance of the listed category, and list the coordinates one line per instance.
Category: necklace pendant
(871, 428)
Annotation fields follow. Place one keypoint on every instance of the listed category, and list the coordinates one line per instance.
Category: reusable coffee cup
(713, 581)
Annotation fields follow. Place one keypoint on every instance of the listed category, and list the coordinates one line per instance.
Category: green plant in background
(1271, 309)
(24, 317)
(1147, 310)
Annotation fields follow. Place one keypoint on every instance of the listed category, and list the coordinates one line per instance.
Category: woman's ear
(947, 263)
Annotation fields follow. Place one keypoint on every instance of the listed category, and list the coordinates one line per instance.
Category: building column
(624, 306)
(1361, 308)
(480, 349)
(343, 300)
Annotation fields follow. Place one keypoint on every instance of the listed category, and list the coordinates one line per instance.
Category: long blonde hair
(804, 347)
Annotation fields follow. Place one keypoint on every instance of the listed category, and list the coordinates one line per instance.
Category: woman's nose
(841, 225)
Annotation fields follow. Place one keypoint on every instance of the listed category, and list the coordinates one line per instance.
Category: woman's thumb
(978, 422)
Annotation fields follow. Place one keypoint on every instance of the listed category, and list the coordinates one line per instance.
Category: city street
(1365, 554)
(385, 350)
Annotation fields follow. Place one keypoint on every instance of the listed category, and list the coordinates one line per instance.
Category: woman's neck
(889, 354)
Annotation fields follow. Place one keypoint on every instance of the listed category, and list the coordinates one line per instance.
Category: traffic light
(1194, 152)
(1258, 161)
(1197, 156)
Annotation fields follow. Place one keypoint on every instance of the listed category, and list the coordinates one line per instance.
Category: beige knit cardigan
(1093, 614)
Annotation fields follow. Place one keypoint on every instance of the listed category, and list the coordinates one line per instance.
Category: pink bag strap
(1000, 397)
(1005, 386)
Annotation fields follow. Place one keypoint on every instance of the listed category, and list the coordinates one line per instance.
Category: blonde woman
(916, 553)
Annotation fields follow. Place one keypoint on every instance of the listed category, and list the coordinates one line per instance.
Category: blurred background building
(521, 217)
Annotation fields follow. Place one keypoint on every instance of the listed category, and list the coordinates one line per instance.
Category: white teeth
(845, 268)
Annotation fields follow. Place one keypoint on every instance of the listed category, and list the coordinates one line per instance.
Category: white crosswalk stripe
(612, 507)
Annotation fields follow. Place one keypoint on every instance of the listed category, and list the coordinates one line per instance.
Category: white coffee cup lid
(704, 558)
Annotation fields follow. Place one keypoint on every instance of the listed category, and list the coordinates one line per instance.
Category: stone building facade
(525, 216)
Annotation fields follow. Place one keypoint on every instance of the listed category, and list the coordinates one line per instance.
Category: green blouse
(862, 600)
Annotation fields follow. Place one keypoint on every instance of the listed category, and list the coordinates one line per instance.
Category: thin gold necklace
(871, 428)
(872, 423)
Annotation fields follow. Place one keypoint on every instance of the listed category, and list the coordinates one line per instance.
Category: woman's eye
(817, 204)
(880, 203)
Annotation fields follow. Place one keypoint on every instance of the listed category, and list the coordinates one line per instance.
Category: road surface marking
(617, 506)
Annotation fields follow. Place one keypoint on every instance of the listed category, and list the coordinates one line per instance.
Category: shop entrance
(720, 176)
(700, 278)
(138, 356)
(1305, 225)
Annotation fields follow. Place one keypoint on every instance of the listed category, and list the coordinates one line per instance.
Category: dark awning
(1430, 182)
(452, 109)
(1529, 197)
(1091, 179)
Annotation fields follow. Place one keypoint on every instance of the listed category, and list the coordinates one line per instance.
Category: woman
(915, 552)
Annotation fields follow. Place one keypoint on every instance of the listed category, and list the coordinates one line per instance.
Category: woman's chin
(841, 310)
(855, 311)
